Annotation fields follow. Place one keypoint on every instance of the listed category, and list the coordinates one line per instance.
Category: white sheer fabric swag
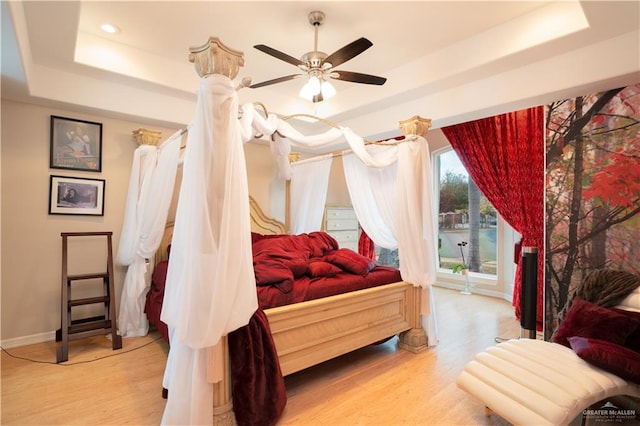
(373, 194)
(148, 200)
(309, 182)
(393, 205)
(210, 287)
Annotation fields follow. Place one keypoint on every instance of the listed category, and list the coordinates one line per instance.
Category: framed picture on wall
(74, 195)
(75, 144)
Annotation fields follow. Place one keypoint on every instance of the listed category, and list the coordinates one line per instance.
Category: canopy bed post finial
(214, 57)
(147, 137)
(415, 125)
(293, 157)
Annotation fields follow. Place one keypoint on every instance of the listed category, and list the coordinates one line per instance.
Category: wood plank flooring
(378, 385)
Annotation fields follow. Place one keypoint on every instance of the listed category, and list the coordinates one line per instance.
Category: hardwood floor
(377, 385)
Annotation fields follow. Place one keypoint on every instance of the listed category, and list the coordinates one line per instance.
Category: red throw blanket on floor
(259, 395)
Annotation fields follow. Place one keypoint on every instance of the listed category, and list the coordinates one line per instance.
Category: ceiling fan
(319, 66)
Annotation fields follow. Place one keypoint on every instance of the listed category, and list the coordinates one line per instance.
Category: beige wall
(337, 192)
(262, 175)
(31, 242)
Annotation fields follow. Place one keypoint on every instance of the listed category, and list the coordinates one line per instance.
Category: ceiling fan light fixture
(327, 89)
(311, 88)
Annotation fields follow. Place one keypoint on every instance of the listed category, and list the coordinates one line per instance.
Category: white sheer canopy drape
(308, 192)
(210, 287)
(151, 185)
(372, 191)
(393, 204)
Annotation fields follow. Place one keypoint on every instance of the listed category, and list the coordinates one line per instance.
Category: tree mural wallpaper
(592, 191)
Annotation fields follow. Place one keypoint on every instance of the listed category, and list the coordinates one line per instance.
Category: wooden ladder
(85, 327)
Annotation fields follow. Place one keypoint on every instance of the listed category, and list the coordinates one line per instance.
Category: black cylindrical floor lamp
(529, 292)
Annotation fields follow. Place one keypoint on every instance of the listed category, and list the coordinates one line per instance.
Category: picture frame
(75, 144)
(76, 196)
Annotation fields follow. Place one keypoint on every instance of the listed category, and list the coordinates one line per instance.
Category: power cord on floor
(501, 339)
(69, 364)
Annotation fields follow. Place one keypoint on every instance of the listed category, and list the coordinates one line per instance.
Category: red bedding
(296, 268)
(291, 269)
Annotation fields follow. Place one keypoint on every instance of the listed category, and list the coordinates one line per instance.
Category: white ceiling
(447, 60)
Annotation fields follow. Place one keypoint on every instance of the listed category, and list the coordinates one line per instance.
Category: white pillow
(632, 301)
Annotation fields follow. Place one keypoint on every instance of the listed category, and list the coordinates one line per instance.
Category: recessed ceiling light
(109, 28)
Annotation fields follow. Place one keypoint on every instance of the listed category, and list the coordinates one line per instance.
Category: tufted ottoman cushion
(534, 382)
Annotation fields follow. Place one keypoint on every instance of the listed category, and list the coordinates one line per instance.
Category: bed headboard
(263, 224)
(260, 223)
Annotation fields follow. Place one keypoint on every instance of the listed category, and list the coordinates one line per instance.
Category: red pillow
(318, 269)
(271, 271)
(585, 319)
(350, 261)
(633, 341)
(298, 267)
(616, 359)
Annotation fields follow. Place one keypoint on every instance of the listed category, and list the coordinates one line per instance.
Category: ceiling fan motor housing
(315, 59)
(316, 18)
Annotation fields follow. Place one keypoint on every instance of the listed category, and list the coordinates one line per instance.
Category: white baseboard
(28, 340)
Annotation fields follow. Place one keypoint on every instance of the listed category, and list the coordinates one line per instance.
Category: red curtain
(366, 246)
(504, 156)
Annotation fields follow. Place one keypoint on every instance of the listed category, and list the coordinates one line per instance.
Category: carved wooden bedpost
(415, 339)
(415, 125)
(147, 137)
(214, 57)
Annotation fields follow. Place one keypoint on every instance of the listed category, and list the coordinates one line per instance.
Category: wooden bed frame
(308, 333)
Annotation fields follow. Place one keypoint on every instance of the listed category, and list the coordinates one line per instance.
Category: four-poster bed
(306, 333)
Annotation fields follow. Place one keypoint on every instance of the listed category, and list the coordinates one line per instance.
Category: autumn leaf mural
(592, 191)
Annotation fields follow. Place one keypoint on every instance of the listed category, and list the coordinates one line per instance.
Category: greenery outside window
(467, 222)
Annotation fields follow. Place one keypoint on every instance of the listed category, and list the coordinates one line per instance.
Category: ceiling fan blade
(347, 52)
(278, 54)
(275, 80)
(356, 77)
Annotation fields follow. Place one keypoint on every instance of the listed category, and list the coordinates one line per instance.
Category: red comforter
(291, 269)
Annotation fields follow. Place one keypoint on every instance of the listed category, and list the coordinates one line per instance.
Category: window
(467, 222)
(488, 252)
